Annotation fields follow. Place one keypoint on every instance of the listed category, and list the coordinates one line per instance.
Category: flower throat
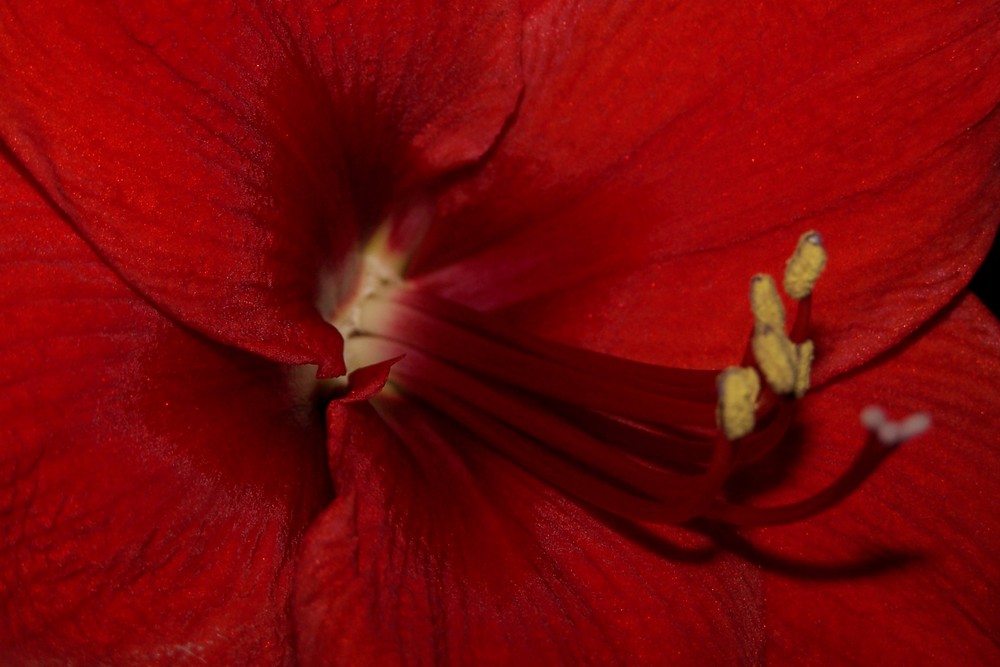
(643, 442)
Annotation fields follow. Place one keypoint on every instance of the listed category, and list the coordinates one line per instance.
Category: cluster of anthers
(643, 442)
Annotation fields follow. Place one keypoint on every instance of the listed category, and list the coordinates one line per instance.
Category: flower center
(643, 442)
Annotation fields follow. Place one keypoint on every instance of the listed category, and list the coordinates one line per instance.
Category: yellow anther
(768, 311)
(803, 368)
(804, 266)
(738, 391)
(777, 359)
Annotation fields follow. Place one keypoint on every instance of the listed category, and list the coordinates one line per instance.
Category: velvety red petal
(419, 87)
(154, 485)
(227, 169)
(933, 503)
(440, 552)
(662, 155)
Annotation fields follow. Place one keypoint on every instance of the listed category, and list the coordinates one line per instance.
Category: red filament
(637, 440)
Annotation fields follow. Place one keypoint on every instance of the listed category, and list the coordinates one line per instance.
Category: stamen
(805, 265)
(544, 425)
(786, 361)
(582, 482)
(777, 359)
(768, 311)
(663, 445)
(739, 389)
(803, 367)
(678, 382)
(577, 385)
(537, 437)
(644, 442)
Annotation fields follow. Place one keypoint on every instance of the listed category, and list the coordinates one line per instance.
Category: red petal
(154, 484)
(933, 502)
(439, 551)
(661, 157)
(419, 88)
(222, 167)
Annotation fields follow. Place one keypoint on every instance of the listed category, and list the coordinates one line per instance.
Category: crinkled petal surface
(226, 157)
(933, 505)
(154, 485)
(439, 552)
(664, 153)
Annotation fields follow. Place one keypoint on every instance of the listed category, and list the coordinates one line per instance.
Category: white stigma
(890, 432)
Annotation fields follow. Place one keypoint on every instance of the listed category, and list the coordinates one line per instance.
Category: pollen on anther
(805, 266)
(738, 389)
(777, 358)
(803, 367)
(768, 311)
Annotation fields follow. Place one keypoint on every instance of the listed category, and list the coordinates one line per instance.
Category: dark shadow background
(985, 282)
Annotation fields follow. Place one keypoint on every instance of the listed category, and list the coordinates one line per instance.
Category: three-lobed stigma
(891, 433)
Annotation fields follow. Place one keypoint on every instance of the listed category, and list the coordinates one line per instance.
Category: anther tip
(805, 266)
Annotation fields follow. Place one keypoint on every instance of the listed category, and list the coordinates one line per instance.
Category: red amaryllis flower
(551, 210)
